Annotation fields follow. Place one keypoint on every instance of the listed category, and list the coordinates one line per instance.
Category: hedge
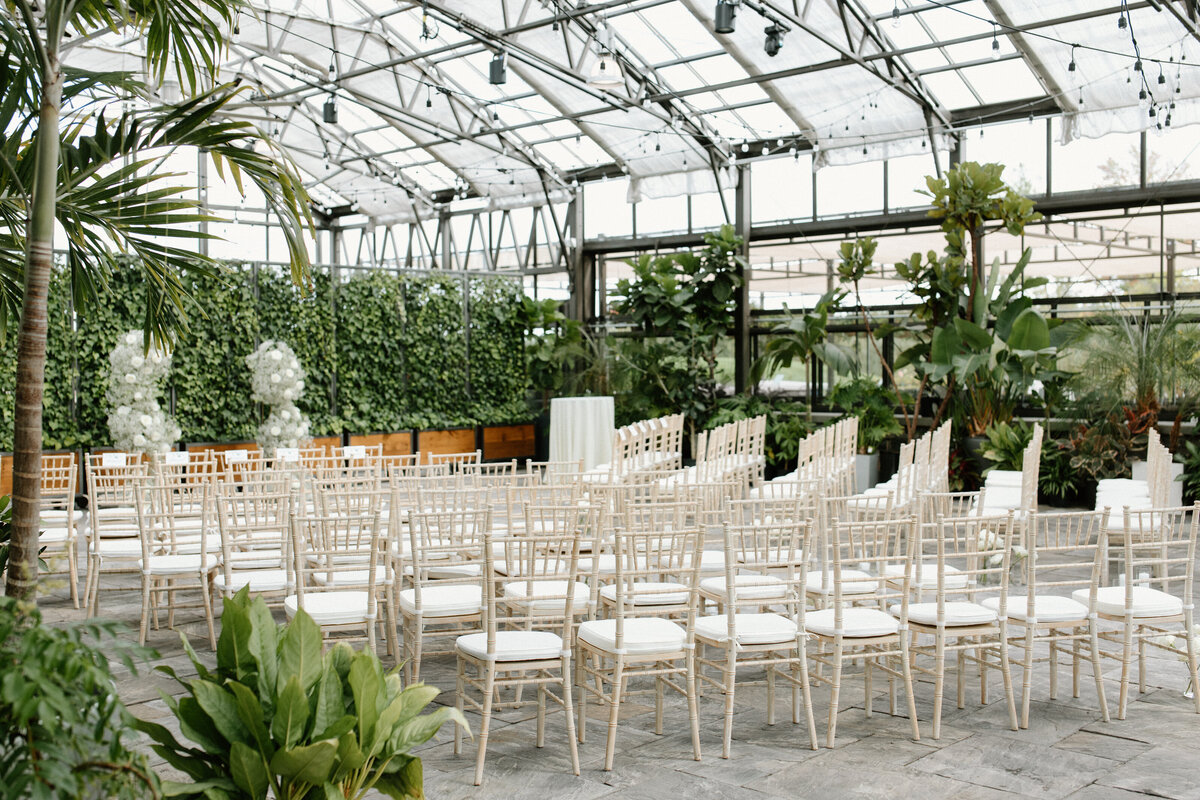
(382, 352)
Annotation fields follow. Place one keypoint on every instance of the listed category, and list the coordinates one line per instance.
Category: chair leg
(806, 691)
(73, 566)
(580, 681)
(1098, 672)
(1053, 670)
(206, 589)
(770, 692)
(1126, 660)
(1075, 652)
(693, 704)
(868, 675)
(939, 685)
(658, 705)
(834, 690)
(1006, 673)
(614, 712)
(146, 580)
(1142, 664)
(489, 683)
(1193, 662)
(729, 681)
(459, 687)
(569, 712)
(906, 666)
(541, 715)
(1027, 675)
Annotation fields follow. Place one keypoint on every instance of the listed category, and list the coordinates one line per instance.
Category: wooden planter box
(394, 444)
(503, 442)
(450, 440)
(327, 443)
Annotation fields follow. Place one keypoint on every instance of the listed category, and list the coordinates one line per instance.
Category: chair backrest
(541, 569)
(57, 492)
(455, 460)
(1062, 552)
(257, 523)
(1031, 464)
(650, 566)
(555, 471)
(857, 554)
(1160, 550)
(335, 553)
(111, 479)
(769, 550)
(442, 539)
(170, 513)
(974, 554)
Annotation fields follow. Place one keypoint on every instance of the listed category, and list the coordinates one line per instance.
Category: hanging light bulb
(896, 13)
(1071, 66)
(745, 147)
(765, 150)
(995, 43)
(1122, 23)
(1143, 98)
(329, 112)
(1161, 78)
(606, 72)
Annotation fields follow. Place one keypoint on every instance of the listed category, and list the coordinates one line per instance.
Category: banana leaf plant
(276, 718)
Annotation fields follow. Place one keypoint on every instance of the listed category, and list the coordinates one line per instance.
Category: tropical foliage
(65, 732)
(277, 718)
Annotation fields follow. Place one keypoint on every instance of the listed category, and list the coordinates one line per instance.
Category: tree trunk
(31, 345)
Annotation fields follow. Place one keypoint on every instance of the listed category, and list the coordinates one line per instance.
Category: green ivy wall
(382, 353)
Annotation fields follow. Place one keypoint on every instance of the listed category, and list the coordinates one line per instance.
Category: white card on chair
(112, 459)
(235, 456)
(176, 457)
(287, 455)
(355, 451)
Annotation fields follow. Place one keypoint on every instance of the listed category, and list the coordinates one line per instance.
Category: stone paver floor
(1066, 752)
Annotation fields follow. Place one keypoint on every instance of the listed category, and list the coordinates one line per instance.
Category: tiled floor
(1066, 752)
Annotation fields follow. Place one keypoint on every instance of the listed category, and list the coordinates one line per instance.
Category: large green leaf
(250, 712)
(1029, 331)
(262, 645)
(974, 336)
(291, 713)
(221, 708)
(248, 771)
(300, 651)
(311, 763)
(405, 783)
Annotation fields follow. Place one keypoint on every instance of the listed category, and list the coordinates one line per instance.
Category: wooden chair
(972, 552)
(762, 593)
(113, 533)
(876, 630)
(528, 623)
(58, 537)
(255, 531)
(634, 644)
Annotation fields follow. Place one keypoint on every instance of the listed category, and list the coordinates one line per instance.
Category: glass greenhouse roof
(419, 124)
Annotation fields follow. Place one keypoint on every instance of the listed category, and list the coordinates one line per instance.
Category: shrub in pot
(277, 718)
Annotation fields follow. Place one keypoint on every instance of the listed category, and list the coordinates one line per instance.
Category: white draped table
(581, 428)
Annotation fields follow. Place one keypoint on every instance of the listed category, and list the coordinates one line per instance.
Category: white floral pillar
(136, 421)
(277, 379)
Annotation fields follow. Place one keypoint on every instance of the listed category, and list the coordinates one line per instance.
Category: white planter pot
(1174, 489)
(866, 471)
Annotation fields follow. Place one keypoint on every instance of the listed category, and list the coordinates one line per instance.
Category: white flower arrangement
(989, 540)
(136, 421)
(277, 379)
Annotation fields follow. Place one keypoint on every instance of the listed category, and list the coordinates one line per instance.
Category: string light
(895, 13)
(1071, 66)
(995, 41)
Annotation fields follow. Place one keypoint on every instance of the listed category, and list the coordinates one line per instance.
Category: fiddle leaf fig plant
(278, 718)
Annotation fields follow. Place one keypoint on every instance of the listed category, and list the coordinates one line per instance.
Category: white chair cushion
(642, 635)
(649, 594)
(751, 628)
(816, 582)
(1147, 602)
(998, 478)
(1046, 608)
(121, 549)
(1131, 485)
(112, 512)
(451, 571)
(710, 561)
(454, 600)
(330, 608)
(513, 645)
(958, 613)
(53, 535)
(517, 592)
(607, 566)
(179, 564)
(354, 577)
(856, 622)
(259, 580)
(954, 577)
(749, 587)
(58, 516)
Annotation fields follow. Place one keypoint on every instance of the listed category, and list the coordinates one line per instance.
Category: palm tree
(65, 163)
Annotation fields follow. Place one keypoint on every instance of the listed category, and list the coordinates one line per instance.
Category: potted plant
(277, 718)
(873, 405)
